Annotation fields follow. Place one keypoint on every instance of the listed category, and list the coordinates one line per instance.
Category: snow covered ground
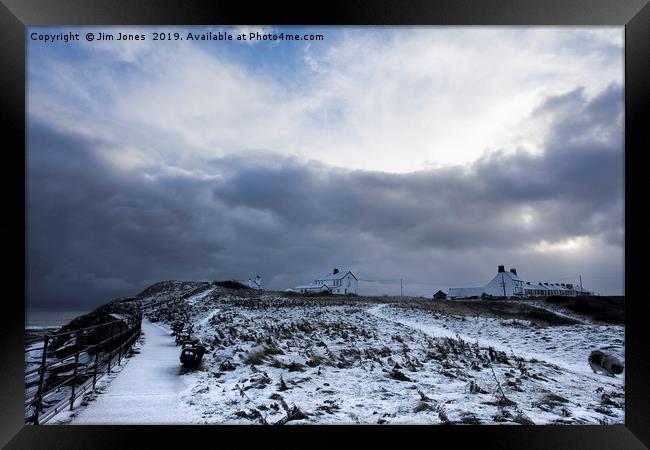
(565, 346)
(272, 359)
(147, 390)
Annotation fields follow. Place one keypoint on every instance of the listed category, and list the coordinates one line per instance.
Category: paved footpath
(147, 390)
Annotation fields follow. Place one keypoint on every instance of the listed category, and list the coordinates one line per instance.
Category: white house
(509, 285)
(253, 283)
(505, 284)
(337, 282)
(536, 290)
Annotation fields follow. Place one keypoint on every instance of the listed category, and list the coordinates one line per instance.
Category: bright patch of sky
(393, 99)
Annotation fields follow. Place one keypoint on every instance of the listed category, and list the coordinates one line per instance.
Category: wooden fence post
(110, 351)
(39, 392)
(119, 342)
(74, 374)
(134, 331)
(97, 335)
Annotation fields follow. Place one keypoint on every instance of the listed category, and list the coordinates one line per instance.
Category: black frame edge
(333, 12)
(12, 331)
(635, 14)
(637, 99)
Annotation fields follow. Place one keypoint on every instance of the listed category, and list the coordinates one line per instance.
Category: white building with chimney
(508, 284)
(505, 284)
(338, 282)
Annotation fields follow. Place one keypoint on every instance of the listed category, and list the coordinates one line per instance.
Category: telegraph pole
(401, 288)
(580, 284)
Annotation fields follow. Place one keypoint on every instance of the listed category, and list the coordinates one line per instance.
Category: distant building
(337, 282)
(536, 290)
(505, 284)
(439, 295)
(508, 284)
(253, 283)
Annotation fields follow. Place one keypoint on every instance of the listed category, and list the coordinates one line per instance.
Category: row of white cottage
(509, 284)
(504, 284)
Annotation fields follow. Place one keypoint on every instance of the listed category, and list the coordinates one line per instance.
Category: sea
(44, 320)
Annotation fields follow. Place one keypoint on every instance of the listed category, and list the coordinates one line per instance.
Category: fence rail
(60, 367)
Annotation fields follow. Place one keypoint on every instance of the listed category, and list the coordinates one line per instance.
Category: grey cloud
(96, 232)
(568, 187)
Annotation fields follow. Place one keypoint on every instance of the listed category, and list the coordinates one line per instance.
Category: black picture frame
(16, 15)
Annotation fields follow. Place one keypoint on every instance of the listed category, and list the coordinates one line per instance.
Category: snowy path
(148, 390)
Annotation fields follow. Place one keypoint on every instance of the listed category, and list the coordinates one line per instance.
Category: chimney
(501, 269)
(513, 270)
(335, 271)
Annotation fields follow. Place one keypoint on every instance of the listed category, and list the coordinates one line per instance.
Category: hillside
(274, 358)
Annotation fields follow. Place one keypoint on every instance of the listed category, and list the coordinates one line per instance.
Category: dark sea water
(42, 319)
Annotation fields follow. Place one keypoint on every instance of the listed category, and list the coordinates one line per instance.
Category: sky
(424, 154)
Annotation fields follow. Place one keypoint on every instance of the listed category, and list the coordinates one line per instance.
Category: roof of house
(537, 287)
(513, 276)
(335, 276)
(556, 287)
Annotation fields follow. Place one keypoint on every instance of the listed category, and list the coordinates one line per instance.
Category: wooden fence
(60, 367)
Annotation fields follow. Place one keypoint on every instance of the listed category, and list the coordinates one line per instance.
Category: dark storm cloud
(568, 188)
(96, 232)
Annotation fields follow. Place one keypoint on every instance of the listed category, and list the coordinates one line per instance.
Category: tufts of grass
(549, 401)
(522, 419)
(256, 357)
(398, 375)
(329, 406)
(294, 367)
(314, 361)
(474, 388)
(423, 396)
(423, 406)
(469, 418)
(282, 386)
(442, 415)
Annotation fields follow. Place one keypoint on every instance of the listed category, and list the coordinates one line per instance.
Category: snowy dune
(272, 359)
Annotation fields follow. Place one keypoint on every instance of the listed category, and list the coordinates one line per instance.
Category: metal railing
(60, 367)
